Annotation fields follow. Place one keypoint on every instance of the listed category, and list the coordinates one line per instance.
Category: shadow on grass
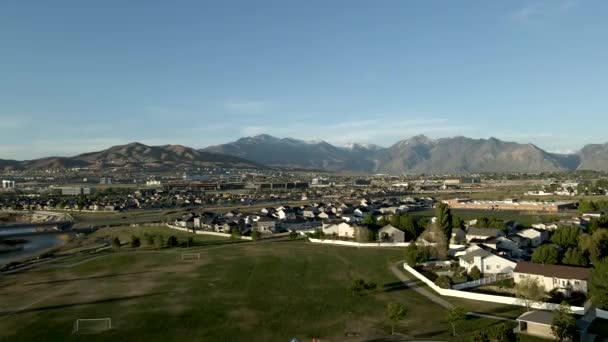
(88, 278)
(398, 286)
(99, 301)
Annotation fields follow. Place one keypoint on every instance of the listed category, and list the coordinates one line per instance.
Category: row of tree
(152, 240)
(579, 249)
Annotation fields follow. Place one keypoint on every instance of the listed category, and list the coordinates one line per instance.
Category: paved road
(411, 283)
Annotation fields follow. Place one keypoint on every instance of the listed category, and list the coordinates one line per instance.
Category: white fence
(496, 299)
(482, 281)
(360, 244)
(373, 244)
(203, 232)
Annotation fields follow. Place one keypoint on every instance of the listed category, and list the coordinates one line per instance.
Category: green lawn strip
(252, 291)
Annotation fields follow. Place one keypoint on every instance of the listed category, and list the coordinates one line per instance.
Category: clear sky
(77, 75)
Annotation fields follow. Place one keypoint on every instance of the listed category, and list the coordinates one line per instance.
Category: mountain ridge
(415, 155)
(134, 155)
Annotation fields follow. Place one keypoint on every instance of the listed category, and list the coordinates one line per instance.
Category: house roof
(389, 227)
(539, 317)
(558, 271)
(470, 257)
(483, 231)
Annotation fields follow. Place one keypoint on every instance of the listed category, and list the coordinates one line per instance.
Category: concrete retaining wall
(203, 232)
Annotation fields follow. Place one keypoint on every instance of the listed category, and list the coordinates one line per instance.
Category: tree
(255, 235)
(595, 245)
(563, 326)
(586, 206)
(475, 273)
(360, 287)
(190, 242)
(363, 234)
(135, 241)
(116, 242)
(504, 333)
(545, 254)
(529, 291)
(457, 223)
(369, 220)
(455, 315)
(160, 241)
(480, 336)
(575, 257)
(235, 233)
(444, 282)
(435, 235)
(415, 254)
(293, 235)
(172, 241)
(444, 219)
(409, 226)
(395, 312)
(599, 284)
(566, 236)
(149, 239)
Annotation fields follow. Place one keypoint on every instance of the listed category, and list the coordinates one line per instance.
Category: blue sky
(77, 76)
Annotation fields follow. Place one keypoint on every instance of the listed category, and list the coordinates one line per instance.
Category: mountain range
(135, 155)
(418, 154)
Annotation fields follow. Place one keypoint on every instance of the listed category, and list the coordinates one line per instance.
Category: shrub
(172, 241)
(444, 282)
(475, 273)
(135, 242)
(416, 255)
(360, 287)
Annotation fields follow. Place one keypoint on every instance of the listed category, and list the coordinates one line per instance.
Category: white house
(486, 262)
(280, 214)
(536, 237)
(341, 229)
(566, 279)
(391, 234)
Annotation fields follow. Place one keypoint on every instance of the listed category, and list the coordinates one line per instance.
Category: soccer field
(260, 291)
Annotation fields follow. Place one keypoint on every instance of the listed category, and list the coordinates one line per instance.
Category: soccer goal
(191, 256)
(92, 325)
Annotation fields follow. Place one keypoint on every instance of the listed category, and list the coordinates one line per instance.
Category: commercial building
(510, 204)
(8, 184)
(75, 191)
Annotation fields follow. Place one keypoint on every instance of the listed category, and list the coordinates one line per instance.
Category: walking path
(411, 283)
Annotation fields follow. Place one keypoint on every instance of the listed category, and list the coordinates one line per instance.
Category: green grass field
(260, 291)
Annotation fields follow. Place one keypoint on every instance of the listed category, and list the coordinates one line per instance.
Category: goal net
(92, 325)
(191, 256)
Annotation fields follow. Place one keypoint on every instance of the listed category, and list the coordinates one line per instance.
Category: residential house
(342, 229)
(389, 233)
(545, 226)
(265, 225)
(323, 216)
(486, 262)
(309, 212)
(566, 279)
(538, 323)
(536, 237)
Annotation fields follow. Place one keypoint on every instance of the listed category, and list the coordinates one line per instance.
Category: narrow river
(33, 246)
